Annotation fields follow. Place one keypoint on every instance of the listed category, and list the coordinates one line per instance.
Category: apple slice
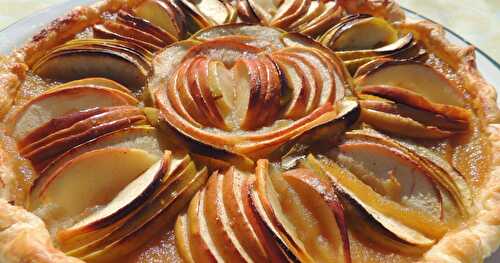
(76, 61)
(217, 223)
(202, 93)
(46, 107)
(320, 199)
(245, 12)
(114, 30)
(145, 26)
(58, 123)
(164, 15)
(314, 9)
(413, 226)
(296, 80)
(124, 202)
(249, 90)
(394, 47)
(214, 11)
(415, 100)
(99, 175)
(413, 182)
(264, 10)
(272, 98)
(98, 82)
(221, 85)
(289, 11)
(330, 15)
(140, 137)
(414, 76)
(105, 123)
(182, 241)
(250, 236)
(173, 195)
(139, 237)
(107, 115)
(347, 34)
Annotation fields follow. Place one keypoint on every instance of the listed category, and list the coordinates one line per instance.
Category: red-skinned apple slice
(124, 202)
(331, 15)
(415, 100)
(182, 241)
(144, 25)
(114, 30)
(112, 121)
(202, 93)
(248, 229)
(220, 83)
(245, 12)
(289, 11)
(201, 250)
(49, 106)
(273, 92)
(263, 9)
(217, 222)
(99, 175)
(296, 80)
(98, 82)
(164, 15)
(319, 197)
(414, 76)
(213, 10)
(315, 8)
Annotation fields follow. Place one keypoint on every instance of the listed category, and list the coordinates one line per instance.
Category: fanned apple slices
(121, 61)
(302, 212)
(233, 81)
(309, 17)
(425, 105)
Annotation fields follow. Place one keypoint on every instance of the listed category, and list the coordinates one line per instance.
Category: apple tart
(246, 131)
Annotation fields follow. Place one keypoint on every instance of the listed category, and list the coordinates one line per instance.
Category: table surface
(475, 20)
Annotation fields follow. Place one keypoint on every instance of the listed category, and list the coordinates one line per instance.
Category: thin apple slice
(330, 15)
(347, 35)
(99, 175)
(414, 76)
(397, 124)
(221, 85)
(175, 193)
(217, 221)
(182, 241)
(114, 30)
(289, 11)
(201, 244)
(413, 182)
(98, 82)
(58, 123)
(415, 100)
(44, 108)
(146, 26)
(392, 48)
(245, 12)
(413, 226)
(264, 10)
(80, 133)
(164, 15)
(213, 10)
(202, 93)
(246, 74)
(320, 199)
(315, 8)
(296, 80)
(139, 237)
(124, 202)
(272, 98)
(108, 115)
(248, 230)
(82, 61)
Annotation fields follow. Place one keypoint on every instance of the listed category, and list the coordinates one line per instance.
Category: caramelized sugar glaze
(352, 112)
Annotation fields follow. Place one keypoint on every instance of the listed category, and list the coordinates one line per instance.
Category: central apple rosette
(249, 89)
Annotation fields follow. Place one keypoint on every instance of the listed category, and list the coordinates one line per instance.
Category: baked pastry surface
(206, 131)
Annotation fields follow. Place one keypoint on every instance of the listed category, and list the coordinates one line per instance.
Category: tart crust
(24, 237)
